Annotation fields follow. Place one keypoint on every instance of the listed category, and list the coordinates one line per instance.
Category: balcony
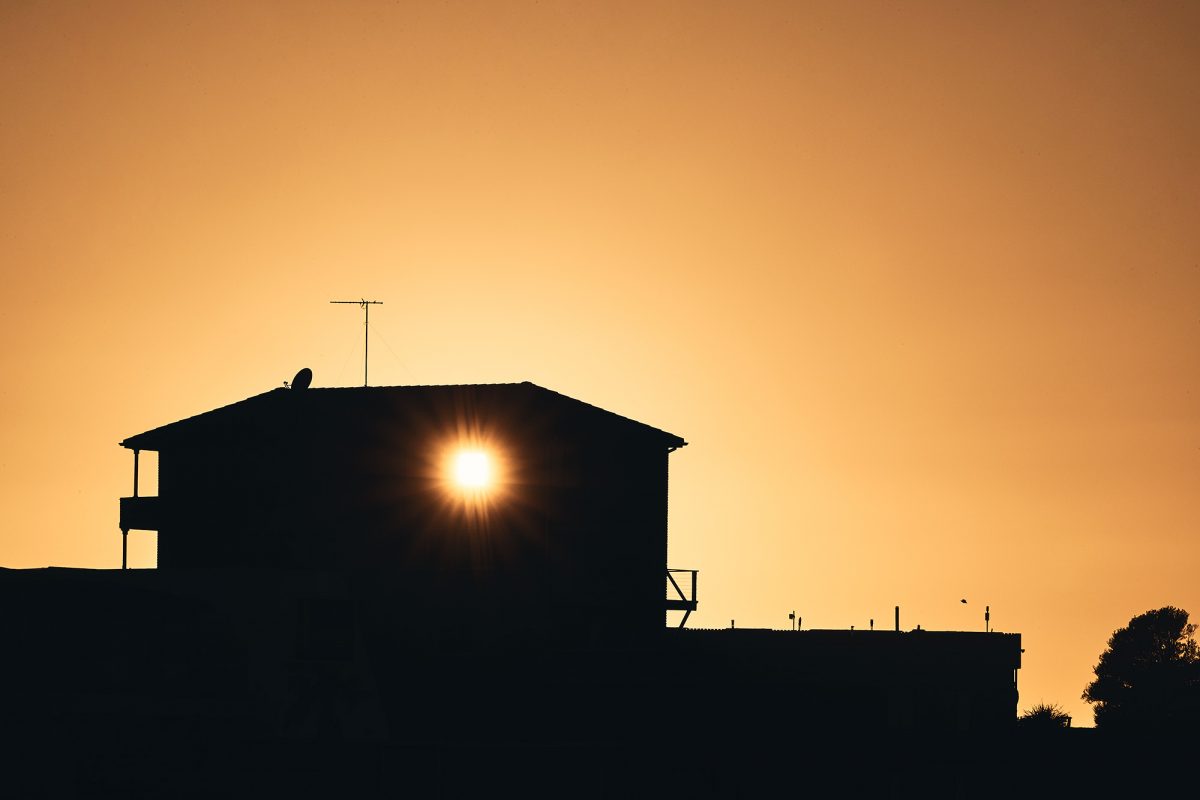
(140, 513)
(682, 600)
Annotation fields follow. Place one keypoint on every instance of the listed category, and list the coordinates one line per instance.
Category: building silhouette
(571, 528)
(360, 590)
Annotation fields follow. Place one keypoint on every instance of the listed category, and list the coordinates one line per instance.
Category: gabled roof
(363, 402)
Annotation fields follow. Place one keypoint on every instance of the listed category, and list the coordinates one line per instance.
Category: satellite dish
(303, 379)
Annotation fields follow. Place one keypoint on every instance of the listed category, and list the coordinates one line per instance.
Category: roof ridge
(419, 386)
(149, 439)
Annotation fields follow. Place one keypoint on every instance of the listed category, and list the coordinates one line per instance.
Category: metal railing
(681, 600)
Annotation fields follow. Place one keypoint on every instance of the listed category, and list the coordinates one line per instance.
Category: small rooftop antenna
(366, 307)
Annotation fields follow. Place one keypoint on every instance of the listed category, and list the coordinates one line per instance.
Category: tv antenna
(366, 307)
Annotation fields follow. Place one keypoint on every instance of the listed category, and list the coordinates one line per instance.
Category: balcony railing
(681, 600)
(140, 514)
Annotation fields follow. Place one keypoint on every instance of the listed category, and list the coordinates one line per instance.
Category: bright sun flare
(471, 469)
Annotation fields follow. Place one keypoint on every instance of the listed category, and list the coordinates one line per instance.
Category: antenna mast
(366, 307)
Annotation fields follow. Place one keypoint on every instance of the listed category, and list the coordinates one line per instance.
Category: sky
(918, 282)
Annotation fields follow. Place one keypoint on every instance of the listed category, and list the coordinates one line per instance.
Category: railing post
(124, 548)
(136, 453)
(695, 572)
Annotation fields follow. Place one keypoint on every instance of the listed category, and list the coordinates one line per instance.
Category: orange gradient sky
(919, 282)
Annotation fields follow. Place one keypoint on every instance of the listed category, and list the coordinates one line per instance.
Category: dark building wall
(830, 680)
(609, 543)
(182, 653)
(310, 654)
(574, 536)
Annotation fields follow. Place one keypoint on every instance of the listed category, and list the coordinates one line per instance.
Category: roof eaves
(147, 440)
(674, 442)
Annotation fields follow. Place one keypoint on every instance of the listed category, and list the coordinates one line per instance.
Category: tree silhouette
(1044, 717)
(1149, 677)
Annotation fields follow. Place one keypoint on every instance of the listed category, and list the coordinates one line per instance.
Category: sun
(472, 469)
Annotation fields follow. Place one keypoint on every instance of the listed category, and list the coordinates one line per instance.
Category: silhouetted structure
(572, 535)
(334, 614)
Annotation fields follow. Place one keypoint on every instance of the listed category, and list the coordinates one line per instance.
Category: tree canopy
(1149, 677)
